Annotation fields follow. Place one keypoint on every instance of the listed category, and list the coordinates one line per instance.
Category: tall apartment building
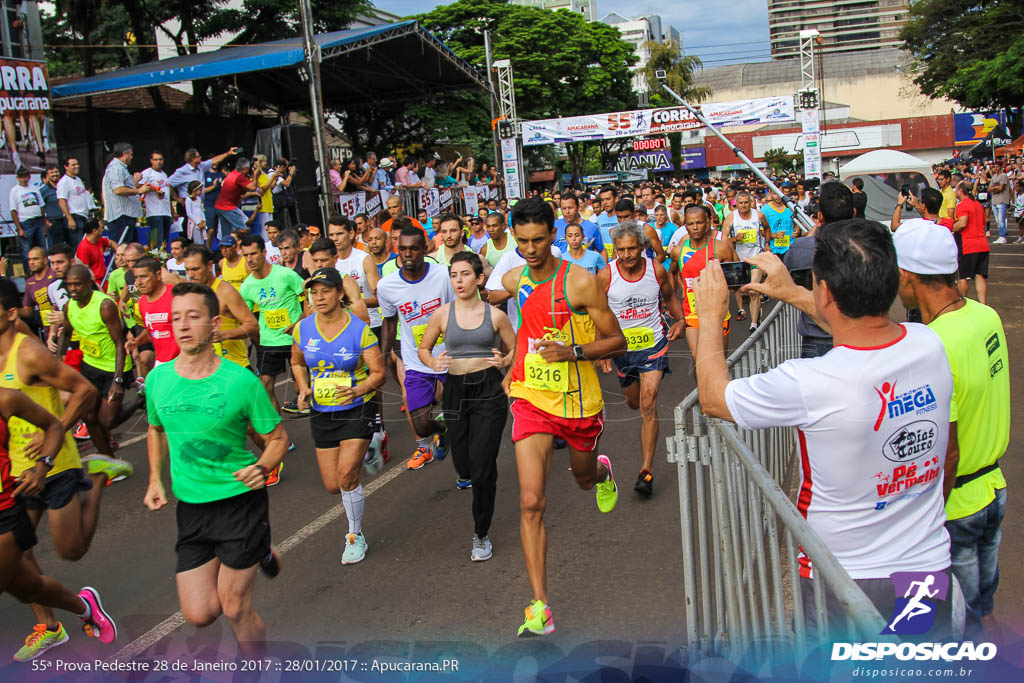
(844, 25)
(640, 31)
(588, 8)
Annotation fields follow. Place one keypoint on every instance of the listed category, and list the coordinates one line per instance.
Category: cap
(228, 241)
(22, 171)
(325, 276)
(386, 163)
(925, 248)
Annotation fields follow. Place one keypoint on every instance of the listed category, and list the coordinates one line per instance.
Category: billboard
(656, 121)
(692, 157)
(656, 161)
(972, 128)
(25, 112)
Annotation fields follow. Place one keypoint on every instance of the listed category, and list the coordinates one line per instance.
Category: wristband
(264, 470)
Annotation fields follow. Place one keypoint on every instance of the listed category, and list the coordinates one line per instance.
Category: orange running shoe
(421, 457)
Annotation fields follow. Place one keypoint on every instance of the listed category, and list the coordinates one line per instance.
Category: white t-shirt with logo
(72, 190)
(26, 201)
(273, 254)
(872, 426)
(511, 260)
(158, 181)
(353, 267)
(414, 303)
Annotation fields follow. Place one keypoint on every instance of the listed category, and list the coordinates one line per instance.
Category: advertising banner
(374, 206)
(693, 157)
(351, 204)
(446, 199)
(470, 194)
(656, 121)
(656, 161)
(511, 168)
(430, 201)
(972, 128)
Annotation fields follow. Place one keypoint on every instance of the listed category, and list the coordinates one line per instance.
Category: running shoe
(607, 491)
(1019, 240)
(291, 446)
(355, 549)
(645, 483)
(419, 458)
(441, 440)
(559, 444)
(293, 408)
(463, 484)
(81, 433)
(373, 461)
(753, 327)
(271, 564)
(99, 624)
(538, 620)
(115, 468)
(741, 314)
(999, 240)
(140, 385)
(275, 475)
(482, 549)
(39, 641)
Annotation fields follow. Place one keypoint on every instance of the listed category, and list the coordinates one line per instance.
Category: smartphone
(737, 273)
(802, 277)
(905, 190)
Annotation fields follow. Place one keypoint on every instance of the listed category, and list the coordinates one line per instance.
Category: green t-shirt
(976, 349)
(205, 421)
(115, 283)
(279, 297)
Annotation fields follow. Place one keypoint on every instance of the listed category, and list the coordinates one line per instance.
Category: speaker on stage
(295, 143)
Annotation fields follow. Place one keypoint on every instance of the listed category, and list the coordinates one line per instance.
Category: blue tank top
(779, 221)
(334, 362)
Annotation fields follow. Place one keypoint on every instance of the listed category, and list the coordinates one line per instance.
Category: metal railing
(741, 531)
(436, 201)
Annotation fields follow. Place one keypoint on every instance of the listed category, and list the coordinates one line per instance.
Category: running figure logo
(914, 612)
(889, 389)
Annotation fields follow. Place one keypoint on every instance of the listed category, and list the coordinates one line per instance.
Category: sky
(718, 33)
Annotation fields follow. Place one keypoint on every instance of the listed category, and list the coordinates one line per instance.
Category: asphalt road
(615, 581)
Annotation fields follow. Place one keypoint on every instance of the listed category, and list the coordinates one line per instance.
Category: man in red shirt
(235, 185)
(91, 249)
(155, 311)
(970, 224)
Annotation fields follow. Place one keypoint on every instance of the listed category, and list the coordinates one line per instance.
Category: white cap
(924, 247)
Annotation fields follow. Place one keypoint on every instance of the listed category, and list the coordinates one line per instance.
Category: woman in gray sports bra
(479, 346)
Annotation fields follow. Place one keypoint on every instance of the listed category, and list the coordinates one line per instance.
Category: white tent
(885, 172)
(884, 161)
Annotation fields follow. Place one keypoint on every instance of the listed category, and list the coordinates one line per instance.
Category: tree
(679, 72)
(969, 52)
(779, 159)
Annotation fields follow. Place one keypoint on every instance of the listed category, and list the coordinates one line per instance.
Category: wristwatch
(578, 350)
(118, 380)
(48, 461)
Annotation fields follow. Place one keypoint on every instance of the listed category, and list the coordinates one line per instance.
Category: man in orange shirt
(394, 207)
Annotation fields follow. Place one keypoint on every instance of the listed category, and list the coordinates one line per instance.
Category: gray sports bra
(475, 343)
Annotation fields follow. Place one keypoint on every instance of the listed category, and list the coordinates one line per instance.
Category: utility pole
(510, 132)
(316, 106)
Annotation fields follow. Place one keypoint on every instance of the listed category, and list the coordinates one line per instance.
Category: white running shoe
(1000, 240)
(355, 549)
(482, 549)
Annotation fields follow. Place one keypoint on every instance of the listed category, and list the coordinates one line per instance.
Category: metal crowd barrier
(741, 531)
(354, 203)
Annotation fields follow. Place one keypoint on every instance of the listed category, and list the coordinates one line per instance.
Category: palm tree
(679, 69)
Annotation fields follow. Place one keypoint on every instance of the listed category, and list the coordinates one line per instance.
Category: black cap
(22, 171)
(325, 276)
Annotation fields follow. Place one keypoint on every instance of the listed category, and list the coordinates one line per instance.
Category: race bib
(610, 248)
(325, 388)
(782, 241)
(89, 347)
(691, 299)
(419, 330)
(639, 338)
(982, 196)
(746, 236)
(277, 318)
(546, 376)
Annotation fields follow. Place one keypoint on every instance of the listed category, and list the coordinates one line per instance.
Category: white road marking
(177, 620)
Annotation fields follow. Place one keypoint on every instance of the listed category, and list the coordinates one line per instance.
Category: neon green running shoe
(115, 468)
(538, 620)
(39, 641)
(607, 491)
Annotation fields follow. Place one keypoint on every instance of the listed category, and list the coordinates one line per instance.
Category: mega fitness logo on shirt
(916, 401)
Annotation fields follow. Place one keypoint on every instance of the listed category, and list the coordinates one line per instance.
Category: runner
(570, 206)
(200, 407)
(637, 287)
(105, 362)
(29, 368)
(589, 260)
(337, 366)
(92, 248)
(415, 291)
(749, 231)
(60, 257)
(176, 265)
(781, 225)
(237, 323)
(452, 238)
(35, 306)
(232, 266)
(498, 243)
(129, 305)
(19, 574)
(154, 310)
(380, 251)
(694, 253)
(479, 345)
(273, 253)
(293, 256)
(554, 385)
(607, 219)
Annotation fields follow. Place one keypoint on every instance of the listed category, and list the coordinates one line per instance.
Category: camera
(660, 74)
(737, 273)
(802, 277)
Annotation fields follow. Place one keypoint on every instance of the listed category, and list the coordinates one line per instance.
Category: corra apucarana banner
(24, 87)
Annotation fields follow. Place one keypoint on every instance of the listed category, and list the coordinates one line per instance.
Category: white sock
(353, 502)
(427, 443)
(87, 614)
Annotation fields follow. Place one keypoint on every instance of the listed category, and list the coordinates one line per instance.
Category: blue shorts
(629, 366)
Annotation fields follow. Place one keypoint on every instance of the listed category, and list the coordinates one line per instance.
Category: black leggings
(475, 411)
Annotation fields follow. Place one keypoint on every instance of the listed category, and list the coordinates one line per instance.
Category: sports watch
(578, 350)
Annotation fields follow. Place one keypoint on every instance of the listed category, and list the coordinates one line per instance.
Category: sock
(87, 614)
(426, 443)
(353, 501)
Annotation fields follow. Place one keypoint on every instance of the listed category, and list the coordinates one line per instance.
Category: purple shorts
(420, 388)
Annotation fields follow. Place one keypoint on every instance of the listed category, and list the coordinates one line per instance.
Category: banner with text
(472, 196)
(656, 121)
(430, 201)
(374, 206)
(351, 204)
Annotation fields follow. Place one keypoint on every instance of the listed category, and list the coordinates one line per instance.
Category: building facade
(640, 32)
(587, 8)
(844, 25)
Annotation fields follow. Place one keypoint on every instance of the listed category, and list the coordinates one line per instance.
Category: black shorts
(975, 264)
(101, 379)
(330, 429)
(16, 519)
(272, 360)
(137, 332)
(235, 530)
(378, 331)
(60, 489)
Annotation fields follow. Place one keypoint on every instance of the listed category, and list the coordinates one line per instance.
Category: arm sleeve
(770, 399)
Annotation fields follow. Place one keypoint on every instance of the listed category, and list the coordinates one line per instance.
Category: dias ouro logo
(919, 598)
